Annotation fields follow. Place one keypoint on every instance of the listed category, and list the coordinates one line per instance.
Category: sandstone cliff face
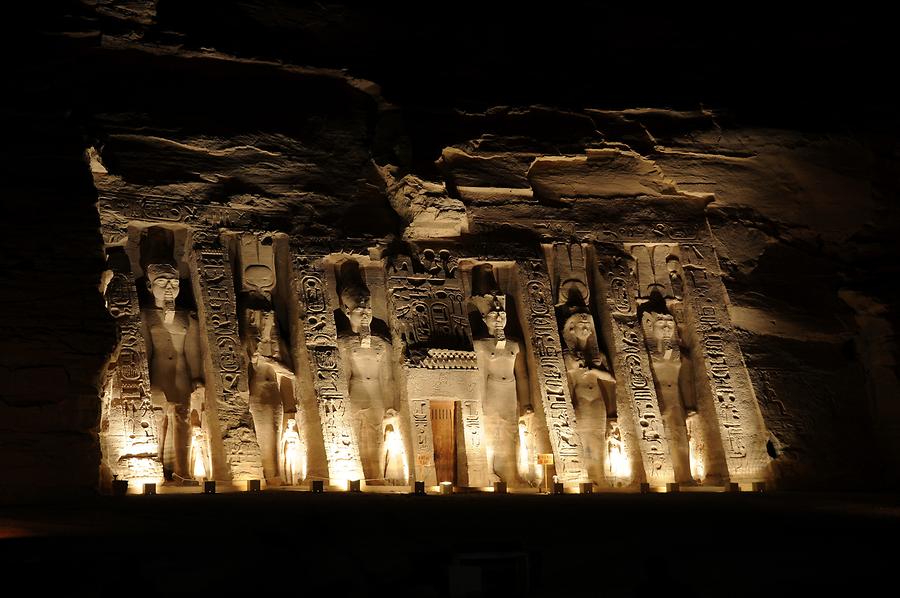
(330, 114)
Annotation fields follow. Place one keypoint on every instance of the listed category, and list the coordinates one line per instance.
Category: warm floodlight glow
(619, 467)
(617, 464)
(696, 449)
(198, 467)
(304, 464)
(698, 470)
(523, 458)
(394, 449)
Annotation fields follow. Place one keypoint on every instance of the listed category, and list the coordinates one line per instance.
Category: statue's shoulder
(380, 341)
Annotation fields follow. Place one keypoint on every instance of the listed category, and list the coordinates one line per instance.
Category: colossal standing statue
(588, 370)
(269, 359)
(504, 377)
(592, 387)
(176, 372)
(679, 416)
(371, 382)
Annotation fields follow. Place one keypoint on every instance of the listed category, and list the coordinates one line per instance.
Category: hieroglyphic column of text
(234, 451)
(422, 442)
(546, 352)
(740, 422)
(320, 339)
(475, 473)
(131, 438)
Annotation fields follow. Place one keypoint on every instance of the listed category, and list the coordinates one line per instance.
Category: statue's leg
(366, 435)
(508, 441)
(267, 411)
(492, 433)
(160, 415)
(599, 438)
(181, 423)
(374, 421)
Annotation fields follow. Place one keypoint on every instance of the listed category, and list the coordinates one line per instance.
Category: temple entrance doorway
(443, 426)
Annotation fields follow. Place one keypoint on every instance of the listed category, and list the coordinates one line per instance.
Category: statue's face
(359, 316)
(495, 320)
(291, 424)
(357, 309)
(164, 288)
(580, 326)
(664, 328)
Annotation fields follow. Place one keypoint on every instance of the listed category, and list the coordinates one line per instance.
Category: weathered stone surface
(242, 108)
(427, 209)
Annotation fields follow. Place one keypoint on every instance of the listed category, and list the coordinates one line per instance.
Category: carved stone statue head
(493, 311)
(292, 425)
(661, 333)
(355, 305)
(577, 330)
(162, 281)
(661, 327)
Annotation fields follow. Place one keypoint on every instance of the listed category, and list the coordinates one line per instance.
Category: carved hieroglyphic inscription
(320, 337)
(632, 368)
(639, 384)
(476, 473)
(423, 441)
(428, 315)
(546, 350)
(429, 309)
(740, 422)
(235, 453)
(131, 438)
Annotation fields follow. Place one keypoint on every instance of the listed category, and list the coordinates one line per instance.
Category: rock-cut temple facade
(597, 348)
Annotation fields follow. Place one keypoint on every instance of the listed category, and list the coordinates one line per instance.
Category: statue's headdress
(157, 270)
(486, 295)
(353, 290)
(489, 302)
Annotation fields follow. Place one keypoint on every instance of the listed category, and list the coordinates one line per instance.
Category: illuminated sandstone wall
(801, 216)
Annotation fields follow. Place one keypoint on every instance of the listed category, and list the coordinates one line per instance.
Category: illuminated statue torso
(498, 364)
(587, 373)
(169, 368)
(366, 367)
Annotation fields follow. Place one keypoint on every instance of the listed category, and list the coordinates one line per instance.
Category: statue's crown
(490, 302)
(156, 270)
